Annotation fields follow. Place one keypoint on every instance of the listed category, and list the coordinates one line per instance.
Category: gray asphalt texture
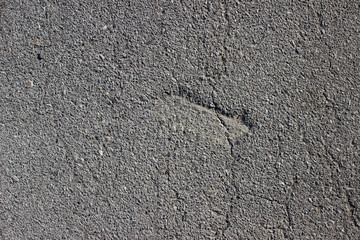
(180, 119)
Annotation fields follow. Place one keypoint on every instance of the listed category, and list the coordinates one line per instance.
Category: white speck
(101, 152)
(105, 27)
(15, 178)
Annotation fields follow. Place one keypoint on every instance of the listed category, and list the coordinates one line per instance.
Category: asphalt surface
(180, 119)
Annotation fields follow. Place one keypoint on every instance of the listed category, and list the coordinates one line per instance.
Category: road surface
(180, 119)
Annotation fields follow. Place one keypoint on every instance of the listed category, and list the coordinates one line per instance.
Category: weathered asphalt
(180, 119)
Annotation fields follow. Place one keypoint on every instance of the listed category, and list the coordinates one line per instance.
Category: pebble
(15, 178)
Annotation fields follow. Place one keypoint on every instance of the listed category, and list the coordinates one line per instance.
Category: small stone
(36, 43)
(107, 138)
(101, 152)
(15, 178)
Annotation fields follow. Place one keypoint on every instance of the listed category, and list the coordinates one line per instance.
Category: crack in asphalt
(229, 124)
(232, 181)
(352, 208)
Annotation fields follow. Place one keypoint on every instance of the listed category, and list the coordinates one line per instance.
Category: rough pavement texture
(180, 119)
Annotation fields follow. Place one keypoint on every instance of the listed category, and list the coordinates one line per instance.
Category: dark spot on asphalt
(247, 119)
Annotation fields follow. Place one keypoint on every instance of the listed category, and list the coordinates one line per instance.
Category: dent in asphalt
(181, 115)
